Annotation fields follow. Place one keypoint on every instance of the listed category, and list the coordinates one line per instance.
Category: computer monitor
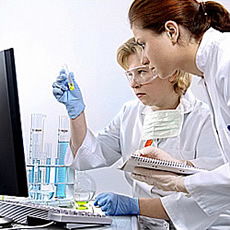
(13, 180)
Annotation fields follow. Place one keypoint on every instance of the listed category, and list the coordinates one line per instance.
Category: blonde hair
(181, 80)
(125, 50)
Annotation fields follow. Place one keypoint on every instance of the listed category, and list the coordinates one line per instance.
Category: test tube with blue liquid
(46, 191)
(48, 151)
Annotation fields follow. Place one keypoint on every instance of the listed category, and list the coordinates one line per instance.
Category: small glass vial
(84, 189)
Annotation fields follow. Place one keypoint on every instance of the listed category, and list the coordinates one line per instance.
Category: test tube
(69, 78)
(36, 179)
(42, 168)
(48, 151)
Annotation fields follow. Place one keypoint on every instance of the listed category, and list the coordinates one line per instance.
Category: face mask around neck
(162, 124)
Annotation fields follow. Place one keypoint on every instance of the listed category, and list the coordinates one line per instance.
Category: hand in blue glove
(71, 99)
(117, 205)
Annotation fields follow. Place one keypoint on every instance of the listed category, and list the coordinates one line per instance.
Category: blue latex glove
(117, 205)
(71, 99)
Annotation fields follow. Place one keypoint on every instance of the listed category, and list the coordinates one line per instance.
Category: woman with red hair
(194, 37)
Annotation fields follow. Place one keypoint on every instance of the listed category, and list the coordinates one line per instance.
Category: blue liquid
(39, 181)
(56, 171)
(30, 177)
(42, 194)
(48, 162)
(32, 172)
(60, 173)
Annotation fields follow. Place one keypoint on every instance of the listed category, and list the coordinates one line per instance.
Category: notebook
(150, 163)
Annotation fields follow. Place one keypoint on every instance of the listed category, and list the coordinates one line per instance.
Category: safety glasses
(140, 74)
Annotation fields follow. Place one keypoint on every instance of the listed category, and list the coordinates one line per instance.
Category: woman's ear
(172, 30)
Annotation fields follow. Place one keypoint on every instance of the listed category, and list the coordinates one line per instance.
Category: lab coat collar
(205, 48)
(187, 103)
(145, 109)
(200, 81)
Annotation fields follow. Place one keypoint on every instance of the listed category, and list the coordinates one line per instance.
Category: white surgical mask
(162, 124)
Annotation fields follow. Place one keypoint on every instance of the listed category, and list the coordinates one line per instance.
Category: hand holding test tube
(70, 96)
(69, 78)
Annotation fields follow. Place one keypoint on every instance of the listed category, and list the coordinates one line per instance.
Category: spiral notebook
(150, 163)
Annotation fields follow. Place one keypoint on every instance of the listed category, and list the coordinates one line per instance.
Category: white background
(85, 34)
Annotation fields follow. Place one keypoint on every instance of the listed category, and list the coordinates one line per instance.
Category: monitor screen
(13, 181)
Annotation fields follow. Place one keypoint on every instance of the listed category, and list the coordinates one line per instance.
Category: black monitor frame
(13, 180)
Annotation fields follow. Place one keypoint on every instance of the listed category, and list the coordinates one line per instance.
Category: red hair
(194, 16)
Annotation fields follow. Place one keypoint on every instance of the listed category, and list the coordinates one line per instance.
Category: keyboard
(20, 211)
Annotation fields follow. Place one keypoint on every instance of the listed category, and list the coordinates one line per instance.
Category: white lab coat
(122, 137)
(211, 190)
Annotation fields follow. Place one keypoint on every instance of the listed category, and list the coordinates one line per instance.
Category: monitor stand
(5, 221)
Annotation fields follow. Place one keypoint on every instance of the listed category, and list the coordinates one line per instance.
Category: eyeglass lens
(140, 75)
